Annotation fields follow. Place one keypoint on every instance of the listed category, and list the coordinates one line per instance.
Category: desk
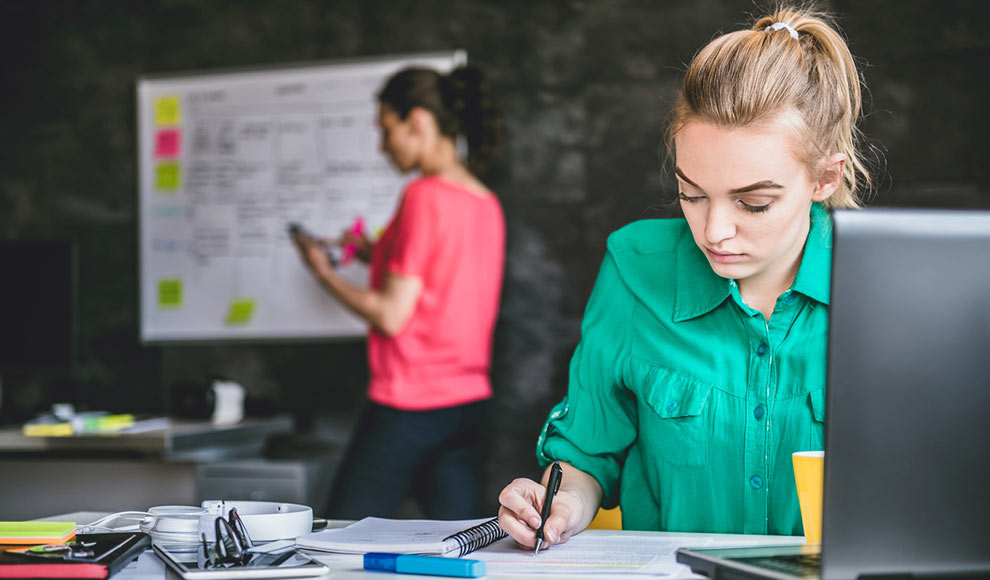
(116, 472)
(348, 566)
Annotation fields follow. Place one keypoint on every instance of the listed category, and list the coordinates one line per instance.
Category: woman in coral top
(436, 278)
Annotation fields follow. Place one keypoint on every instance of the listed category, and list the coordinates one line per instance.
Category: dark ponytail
(460, 101)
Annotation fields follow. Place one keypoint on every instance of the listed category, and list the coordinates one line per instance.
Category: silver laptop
(907, 432)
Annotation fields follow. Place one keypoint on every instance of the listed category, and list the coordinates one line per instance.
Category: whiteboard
(226, 161)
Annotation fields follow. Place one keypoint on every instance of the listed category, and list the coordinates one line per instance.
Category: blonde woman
(701, 365)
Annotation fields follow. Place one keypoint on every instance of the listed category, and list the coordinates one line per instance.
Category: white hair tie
(781, 26)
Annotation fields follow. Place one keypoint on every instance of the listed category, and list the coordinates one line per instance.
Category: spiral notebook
(453, 538)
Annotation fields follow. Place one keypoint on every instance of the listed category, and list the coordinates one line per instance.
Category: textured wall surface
(584, 86)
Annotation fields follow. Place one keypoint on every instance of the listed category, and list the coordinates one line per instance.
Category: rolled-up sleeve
(595, 424)
(414, 237)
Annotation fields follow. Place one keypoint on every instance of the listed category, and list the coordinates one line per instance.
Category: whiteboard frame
(459, 57)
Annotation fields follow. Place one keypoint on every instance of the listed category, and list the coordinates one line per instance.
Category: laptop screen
(907, 462)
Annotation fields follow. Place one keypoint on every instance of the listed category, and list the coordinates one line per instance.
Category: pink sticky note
(167, 143)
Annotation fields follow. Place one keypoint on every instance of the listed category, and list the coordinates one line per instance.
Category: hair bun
(462, 85)
(468, 96)
(461, 101)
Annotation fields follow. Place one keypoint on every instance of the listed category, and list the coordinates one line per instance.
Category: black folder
(110, 553)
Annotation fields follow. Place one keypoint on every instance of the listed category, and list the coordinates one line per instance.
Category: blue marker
(416, 564)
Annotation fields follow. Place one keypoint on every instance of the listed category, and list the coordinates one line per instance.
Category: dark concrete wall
(584, 85)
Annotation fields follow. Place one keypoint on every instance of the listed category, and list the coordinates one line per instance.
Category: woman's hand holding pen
(362, 245)
(573, 508)
(386, 309)
(314, 253)
(322, 255)
(519, 515)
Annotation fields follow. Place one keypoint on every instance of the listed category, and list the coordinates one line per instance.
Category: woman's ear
(421, 121)
(830, 177)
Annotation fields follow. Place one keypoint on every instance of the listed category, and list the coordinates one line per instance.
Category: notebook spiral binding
(476, 537)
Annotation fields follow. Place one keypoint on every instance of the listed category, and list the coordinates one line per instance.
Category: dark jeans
(434, 455)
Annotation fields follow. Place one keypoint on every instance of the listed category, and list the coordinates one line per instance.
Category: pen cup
(809, 477)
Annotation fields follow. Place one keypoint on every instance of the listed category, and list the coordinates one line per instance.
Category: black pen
(553, 484)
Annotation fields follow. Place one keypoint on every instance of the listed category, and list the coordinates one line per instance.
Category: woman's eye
(755, 208)
(688, 198)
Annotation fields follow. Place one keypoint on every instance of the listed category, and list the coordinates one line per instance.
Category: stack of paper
(35, 533)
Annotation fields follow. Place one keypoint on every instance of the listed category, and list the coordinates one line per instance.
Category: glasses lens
(206, 556)
(228, 544)
(237, 525)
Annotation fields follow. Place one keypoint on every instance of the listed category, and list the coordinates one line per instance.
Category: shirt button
(759, 411)
(755, 482)
(672, 405)
(762, 349)
(789, 298)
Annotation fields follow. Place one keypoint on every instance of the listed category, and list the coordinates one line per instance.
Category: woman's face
(747, 199)
(397, 139)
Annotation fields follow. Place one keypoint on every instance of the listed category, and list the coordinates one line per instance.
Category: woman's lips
(723, 257)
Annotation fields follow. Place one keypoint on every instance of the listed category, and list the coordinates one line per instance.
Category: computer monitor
(37, 305)
(907, 436)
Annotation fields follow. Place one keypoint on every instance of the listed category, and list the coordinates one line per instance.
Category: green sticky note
(34, 532)
(167, 176)
(241, 310)
(169, 293)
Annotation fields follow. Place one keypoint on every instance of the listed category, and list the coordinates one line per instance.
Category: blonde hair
(756, 76)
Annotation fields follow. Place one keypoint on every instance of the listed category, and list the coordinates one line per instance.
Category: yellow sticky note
(241, 310)
(168, 110)
(108, 423)
(169, 293)
(167, 176)
(48, 429)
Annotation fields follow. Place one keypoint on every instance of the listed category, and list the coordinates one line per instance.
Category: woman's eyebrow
(765, 184)
(680, 174)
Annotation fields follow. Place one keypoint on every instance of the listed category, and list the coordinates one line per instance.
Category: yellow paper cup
(809, 475)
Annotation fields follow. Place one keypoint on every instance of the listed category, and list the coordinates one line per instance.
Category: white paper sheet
(591, 552)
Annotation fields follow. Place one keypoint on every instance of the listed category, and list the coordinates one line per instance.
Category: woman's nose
(720, 225)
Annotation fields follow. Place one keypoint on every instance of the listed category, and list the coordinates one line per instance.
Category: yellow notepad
(59, 429)
(36, 532)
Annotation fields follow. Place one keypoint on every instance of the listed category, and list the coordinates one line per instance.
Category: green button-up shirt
(685, 403)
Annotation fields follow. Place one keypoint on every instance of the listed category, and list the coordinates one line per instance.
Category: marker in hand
(553, 485)
(357, 229)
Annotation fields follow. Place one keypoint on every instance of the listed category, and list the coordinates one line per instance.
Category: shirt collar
(700, 290)
(814, 277)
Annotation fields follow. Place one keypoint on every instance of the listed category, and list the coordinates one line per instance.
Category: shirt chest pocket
(816, 437)
(675, 418)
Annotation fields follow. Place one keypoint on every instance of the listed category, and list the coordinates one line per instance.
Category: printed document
(593, 552)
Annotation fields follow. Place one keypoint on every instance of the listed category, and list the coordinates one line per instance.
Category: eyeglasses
(230, 548)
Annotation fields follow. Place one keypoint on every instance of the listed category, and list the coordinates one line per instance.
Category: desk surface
(180, 440)
(348, 567)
